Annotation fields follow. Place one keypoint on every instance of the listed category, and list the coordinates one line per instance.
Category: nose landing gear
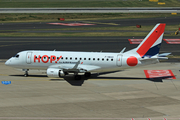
(26, 72)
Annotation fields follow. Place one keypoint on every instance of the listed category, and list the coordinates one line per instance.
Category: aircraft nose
(8, 62)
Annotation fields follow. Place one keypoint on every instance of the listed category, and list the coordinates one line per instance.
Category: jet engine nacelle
(52, 72)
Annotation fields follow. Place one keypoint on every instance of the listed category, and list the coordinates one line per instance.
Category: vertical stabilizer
(150, 46)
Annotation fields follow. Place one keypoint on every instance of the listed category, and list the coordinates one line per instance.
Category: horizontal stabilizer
(164, 54)
(153, 58)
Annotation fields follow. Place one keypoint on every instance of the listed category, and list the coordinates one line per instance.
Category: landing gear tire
(26, 74)
(77, 77)
(87, 74)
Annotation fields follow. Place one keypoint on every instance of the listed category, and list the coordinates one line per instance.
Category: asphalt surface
(9, 46)
(115, 96)
(174, 20)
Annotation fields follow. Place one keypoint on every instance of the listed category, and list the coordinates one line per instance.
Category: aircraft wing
(75, 67)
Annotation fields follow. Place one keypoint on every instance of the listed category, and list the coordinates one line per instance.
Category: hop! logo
(46, 58)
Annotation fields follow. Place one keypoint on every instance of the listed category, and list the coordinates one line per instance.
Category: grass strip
(131, 28)
(85, 3)
(30, 17)
(76, 34)
(173, 56)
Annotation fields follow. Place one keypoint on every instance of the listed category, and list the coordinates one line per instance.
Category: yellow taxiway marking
(116, 79)
(32, 80)
(173, 13)
(4, 75)
(25, 80)
(161, 3)
(60, 79)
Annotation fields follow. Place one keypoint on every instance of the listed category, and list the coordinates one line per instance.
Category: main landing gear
(78, 77)
(87, 74)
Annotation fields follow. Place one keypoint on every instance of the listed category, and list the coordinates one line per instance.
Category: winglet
(76, 65)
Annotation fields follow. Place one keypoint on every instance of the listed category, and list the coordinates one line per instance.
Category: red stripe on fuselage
(151, 40)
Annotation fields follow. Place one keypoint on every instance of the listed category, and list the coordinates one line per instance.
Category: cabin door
(28, 57)
(119, 60)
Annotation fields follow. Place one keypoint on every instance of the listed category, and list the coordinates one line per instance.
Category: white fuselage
(60, 63)
(42, 60)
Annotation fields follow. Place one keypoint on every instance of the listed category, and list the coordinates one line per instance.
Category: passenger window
(102, 59)
(107, 59)
(89, 58)
(70, 58)
(80, 58)
(98, 59)
(62, 58)
(93, 58)
(76, 58)
(111, 59)
(66, 58)
(84, 58)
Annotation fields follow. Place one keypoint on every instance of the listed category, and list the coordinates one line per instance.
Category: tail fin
(151, 44)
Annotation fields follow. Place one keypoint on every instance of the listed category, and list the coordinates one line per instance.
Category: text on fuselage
(46, 58)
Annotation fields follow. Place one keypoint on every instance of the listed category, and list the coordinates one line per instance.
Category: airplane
(61, 63)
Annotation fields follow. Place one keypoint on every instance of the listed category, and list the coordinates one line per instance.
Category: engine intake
(52, 72)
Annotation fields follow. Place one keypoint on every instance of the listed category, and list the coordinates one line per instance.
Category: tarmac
(118, 95)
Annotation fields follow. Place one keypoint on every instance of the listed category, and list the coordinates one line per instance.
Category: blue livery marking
(153, 51)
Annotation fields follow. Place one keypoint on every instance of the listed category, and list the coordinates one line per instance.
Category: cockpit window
(17, 56)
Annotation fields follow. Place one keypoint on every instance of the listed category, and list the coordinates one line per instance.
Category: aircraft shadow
(71, 81)
(104, 73)
(129, 78)
(70, 78)
(159, 79)
(29, 75)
